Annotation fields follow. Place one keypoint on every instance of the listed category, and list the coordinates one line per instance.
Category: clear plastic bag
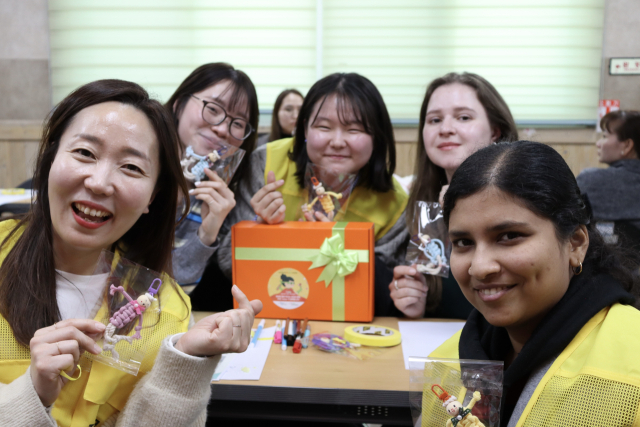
(442, 385)
(429, 246)
(328, 191)
(131, 312)
(224, 161)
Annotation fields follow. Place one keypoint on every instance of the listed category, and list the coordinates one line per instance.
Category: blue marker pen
(305, 340)
(257, 334)
(284, 331)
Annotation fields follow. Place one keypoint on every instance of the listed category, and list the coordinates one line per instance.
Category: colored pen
(257, 334)
(303, 327)
(305, 340)
(295, 329)
(297, 346)
(277, 337)
(290, 333)
(284, 338)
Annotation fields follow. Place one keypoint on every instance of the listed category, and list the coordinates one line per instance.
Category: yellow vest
(382, 209)
(595, 381)
(101, 390)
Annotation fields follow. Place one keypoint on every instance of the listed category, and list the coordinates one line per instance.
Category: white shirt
(79, 297)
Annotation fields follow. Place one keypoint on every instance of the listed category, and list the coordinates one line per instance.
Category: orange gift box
(315, 270)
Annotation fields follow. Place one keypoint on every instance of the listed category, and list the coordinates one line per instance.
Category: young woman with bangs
(216, 104)
(106, 177)
(343, 125)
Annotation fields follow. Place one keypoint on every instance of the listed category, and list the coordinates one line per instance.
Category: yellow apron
(101, 391)
(595, 381)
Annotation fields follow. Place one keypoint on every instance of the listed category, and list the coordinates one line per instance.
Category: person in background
(460, 114)
(284, 116)
(107, 175)
(344, 125)
(215, 104)
(613, 192)
(552, 300)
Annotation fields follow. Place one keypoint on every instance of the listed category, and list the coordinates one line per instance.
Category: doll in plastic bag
(224, 161)
(429, 244)
(328, 192)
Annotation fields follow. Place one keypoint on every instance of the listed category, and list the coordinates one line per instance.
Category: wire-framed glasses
(214, 114)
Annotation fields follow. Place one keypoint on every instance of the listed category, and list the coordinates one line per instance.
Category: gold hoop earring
(577, 270)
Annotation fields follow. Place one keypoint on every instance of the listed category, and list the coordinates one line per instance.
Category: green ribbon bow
(337, 263)
(335, 260)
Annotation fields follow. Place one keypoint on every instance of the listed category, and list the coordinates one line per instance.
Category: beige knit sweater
(174, 393)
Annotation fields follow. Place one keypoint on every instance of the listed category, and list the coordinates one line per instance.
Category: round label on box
(288, 288)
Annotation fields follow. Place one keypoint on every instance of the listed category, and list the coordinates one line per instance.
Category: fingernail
(198, 184)
(97, 349)
(280, 181)
(412, 271)
(100, 326)
(191, 191)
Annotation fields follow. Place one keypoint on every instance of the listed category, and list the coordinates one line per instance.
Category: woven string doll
(193, 165)
(433, 249)
(127, 314)
(324, 197)
(460, 416)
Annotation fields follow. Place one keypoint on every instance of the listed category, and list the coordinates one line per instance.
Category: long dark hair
(429, 177)
(538, 176)
(276, 129)
(356, 94)
(28, 291)
(243, 92)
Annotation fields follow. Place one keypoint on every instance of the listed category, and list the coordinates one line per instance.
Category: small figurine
(324, 197)
(459, 414)
(433, 249)
(193, 165)
(127, 314)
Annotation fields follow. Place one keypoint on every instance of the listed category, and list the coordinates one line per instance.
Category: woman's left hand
(227, 332)
(218, 200)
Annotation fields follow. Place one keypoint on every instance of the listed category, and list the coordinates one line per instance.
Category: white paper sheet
(247, 365)
(419, 339)
(7, 195)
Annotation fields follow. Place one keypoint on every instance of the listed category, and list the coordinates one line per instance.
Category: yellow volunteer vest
(595, 381)
(382, 209)
(101, 390)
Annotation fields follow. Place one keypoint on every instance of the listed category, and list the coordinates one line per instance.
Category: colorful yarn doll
(193, 165)
(433, 249)
(461, 417)
(127, 314)
(324, 197)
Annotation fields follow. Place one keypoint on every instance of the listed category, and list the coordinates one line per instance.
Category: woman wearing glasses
(215, 105)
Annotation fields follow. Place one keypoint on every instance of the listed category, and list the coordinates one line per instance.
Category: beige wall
(621, 39)
(577, 146)
(25, 85)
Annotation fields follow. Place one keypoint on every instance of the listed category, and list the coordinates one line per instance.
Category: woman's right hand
(58, 348)
(409, 291)
(268, 203)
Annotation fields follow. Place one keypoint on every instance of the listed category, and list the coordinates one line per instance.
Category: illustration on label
(288, 288)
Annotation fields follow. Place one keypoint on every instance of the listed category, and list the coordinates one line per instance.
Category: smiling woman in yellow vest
(552, 300)
(107, 176)
(343, 125)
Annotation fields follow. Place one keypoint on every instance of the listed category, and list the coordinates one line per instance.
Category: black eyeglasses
(214, 114)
